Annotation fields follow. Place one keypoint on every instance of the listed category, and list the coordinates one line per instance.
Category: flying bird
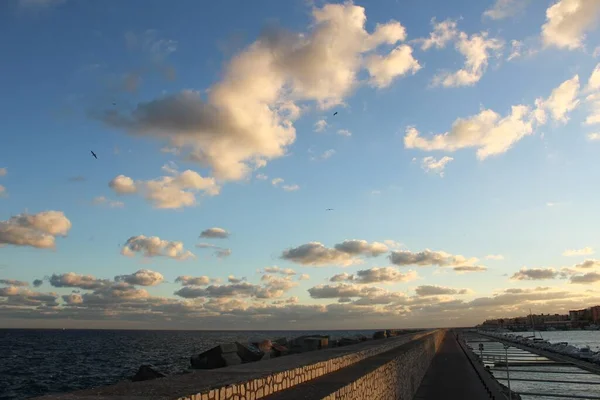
(329, 209)
(94, 154)
(335, 113)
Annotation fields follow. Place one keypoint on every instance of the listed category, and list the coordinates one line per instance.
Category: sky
(298, 164)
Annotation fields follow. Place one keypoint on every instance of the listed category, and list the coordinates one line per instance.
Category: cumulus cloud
(477, 49)
(584, 251)
(590, 277)
(37, 282)
(504, 9)
(248, 116)
(214, 233)
(303, 277)
(430, 164)
(154, 246)
(20, 297)
(272, 287)
(187, 280)
(35, 230)
(492, 134)
(320, 125)
(568, 21)
(277, 270)
(430, 257)
(71, 279)
(374, 275)
(142, 277)
(177, 190)
(588, 264)
(13, 282)
(384, 69)
(103, 201)
(432, 290)
(344, 254)
(443, 33)
(366, 295)
(534, 274)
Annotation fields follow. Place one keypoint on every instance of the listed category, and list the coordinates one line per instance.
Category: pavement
(451, 375)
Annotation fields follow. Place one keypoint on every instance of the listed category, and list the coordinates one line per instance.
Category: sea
(569, 382)
(35, 362)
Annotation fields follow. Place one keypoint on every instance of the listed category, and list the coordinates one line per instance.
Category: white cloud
(168, 192)
(443, 33)
(593, 136)
(476, 49)
(35, 230)
(142, 277)
(320, 125)
(344, 132)
(277, 270)
(562, 100)
(567, 22)
(492, 134)
(578, 252)
(593, 99)
(594, 81)
(262, 177)
(73, 280)
(384, 69)
(504, 9)
(430, 257)
(214, 233)
(325, 155)
(187, 280)
(516, 50)
(430, 164)
(376, 275)
(303, 277)
(290, 188)
(495, 257)
(248, 116)
(154, 246)
(343, 254)
(101, 200)
(432, 290)
(276, 181)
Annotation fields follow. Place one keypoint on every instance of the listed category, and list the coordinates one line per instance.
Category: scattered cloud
(567, 22)
(430, 257)
(103, 201)
(492, 134)
(432, 290)
(516, 50)
(590, 277)
(290, 188)
(34, 230)
(443, 33)
(303, 277)
(177, 190)
(344, 132)
(588, 264)
(321, 125)
(73, 280)
(2, 191)
(375, 275)
(143, 277)
(262, 177)
(584, 251)
(276, 181)
(3, 171)
(469, 268)
(495, 257)
(214, 233)
(13, 282)
(248, 116)
(535, 274)
(344, 254)
(187, 280)
(384, 69)
(430, 164)
(505, 9)
(278, 270)
(325, 155)
(154, 246)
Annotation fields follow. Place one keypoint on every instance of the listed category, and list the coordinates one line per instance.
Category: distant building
(595, 313)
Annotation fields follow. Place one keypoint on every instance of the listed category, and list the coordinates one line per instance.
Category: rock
(146, 373)
(280, 350)
(217, 357)
(380, 335)
(265, 346)
(248, 352)
(281, 341)
(315, 343)
(362, 338)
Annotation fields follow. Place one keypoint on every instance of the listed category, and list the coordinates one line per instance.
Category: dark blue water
(38, 362)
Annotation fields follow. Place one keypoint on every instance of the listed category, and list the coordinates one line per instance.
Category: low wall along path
(389, 368)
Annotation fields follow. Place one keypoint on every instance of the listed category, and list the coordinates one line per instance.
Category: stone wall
(261, 379)
(397, 379)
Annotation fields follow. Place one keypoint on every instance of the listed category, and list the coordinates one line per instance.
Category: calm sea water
(554, 373)
(38, 362)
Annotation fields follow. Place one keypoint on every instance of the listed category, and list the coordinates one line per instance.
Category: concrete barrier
(404, 360)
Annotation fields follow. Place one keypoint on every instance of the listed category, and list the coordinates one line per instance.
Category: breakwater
(392, 366)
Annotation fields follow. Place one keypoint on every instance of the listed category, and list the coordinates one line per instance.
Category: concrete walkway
(451, 375)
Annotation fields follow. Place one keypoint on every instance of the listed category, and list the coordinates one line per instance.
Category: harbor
(535, 368)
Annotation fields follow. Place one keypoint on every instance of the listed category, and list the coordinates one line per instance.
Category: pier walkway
(451, 375)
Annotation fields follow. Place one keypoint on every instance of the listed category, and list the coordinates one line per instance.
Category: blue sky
(197, 111)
